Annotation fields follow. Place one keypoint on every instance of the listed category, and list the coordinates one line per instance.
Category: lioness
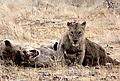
(71, 47)
(75, 48)
(40, 57)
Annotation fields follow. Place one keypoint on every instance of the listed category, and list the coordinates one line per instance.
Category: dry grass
(20, 20)
(60, 74)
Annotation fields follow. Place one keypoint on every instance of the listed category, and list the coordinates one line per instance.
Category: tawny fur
(11, 52)
(72, 44)
(94, 54)
(40, 57)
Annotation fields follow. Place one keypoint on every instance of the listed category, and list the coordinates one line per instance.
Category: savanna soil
(37, 22)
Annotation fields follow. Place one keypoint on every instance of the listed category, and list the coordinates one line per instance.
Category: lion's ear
(83, 23)
(69, 23)
(7, 43)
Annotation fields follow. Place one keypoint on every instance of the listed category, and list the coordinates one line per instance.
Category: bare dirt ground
(33, 22)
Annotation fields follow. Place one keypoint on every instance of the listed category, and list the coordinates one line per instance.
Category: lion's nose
(75, 41)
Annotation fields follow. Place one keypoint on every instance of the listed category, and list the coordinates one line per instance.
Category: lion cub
(71, 48)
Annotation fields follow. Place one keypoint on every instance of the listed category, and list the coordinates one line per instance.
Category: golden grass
(17, 23)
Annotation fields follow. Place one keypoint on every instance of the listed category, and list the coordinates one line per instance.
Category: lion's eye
(79, 32)
(71, 32)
